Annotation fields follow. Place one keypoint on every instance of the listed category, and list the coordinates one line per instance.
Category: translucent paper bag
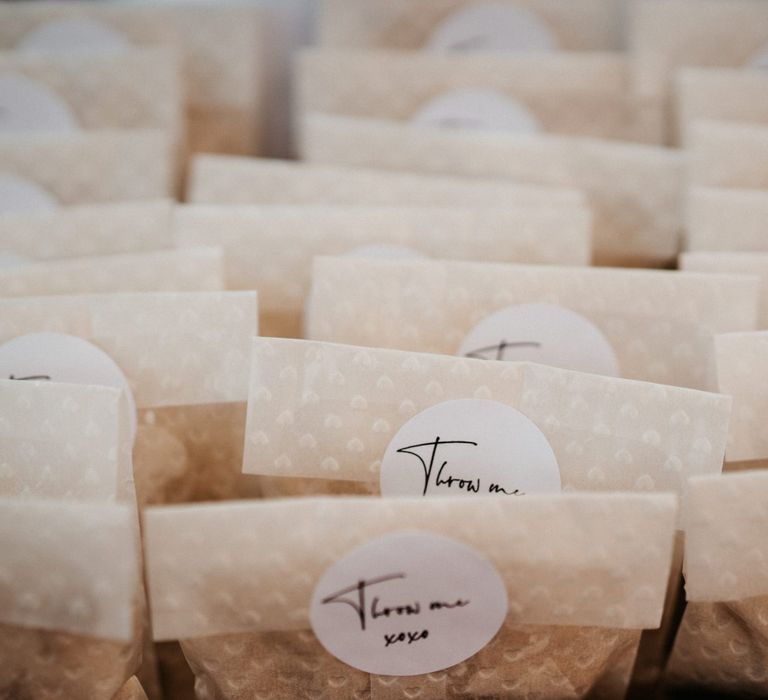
(722, 644)
(753, 264)
(741, 358)
(728, 155)
(634, 190)
(271, 248)
(582, 94)
(74, 631)
(41, 172)
(186, 359)
(238, 181)
(658, 323)
(726, 219)
(720, 94)
(224, 563)
(448, 25)
(88, 230)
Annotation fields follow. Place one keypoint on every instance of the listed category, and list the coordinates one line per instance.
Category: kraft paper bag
(720, 94)
(199, 269)
(132, 690)
(213, 571)
(728, 155)
(241, 181)
(88, 230)
(721, 645)
(740, 361)
(754, 264)
(219, 45)
(579, 25)
(726, 219)
(71, 601)
(583, 94)
(635, 191)
(186, 358)
(271, 248)
(40, 172)
(659, 323)
(93, 91)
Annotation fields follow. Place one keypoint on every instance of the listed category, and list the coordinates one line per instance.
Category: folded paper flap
(329, 411)
(69, 567)
(726, 547)
(234, 180)
(88, 230)
(634, 189)
(198, 269)
(658, 322)
(742, 371)
(64, 441)
(598, 560)
(93, 166)
(97, 90)
(578, 24)
(711, 211)
(273, 247)
(175, 348)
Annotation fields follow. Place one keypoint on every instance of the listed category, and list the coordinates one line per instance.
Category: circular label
(471, 447)
(544, 333)
(20, 195)
(74, 34)
(57, 357)
(26, 105)
(760, 59)
(492, 26)
(408, 604)
(477, 109)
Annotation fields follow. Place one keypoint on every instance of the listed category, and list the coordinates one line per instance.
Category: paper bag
(635, 191)
(721, 645)
(659, 323)
(230, 180)
(271, 248)
(226, 561)
(583, 94)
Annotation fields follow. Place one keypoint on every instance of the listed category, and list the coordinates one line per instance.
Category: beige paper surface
(635, 191)
(132, 690)
(98, 88)
(754, 264)
(230, 180)
(64, 441)
(92, 167)
(199, 269)
(659, 323)
(586, 94)
(728, 154)
(742, 371)
(259, 545)
(271, 248)
(726, 219)
(577, 25)
(219, 46)
(328, 411)
(726, 571)
(88, 230)
(720, 94)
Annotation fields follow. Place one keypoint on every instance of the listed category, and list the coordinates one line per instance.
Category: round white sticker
(492, 26)
(478, 109)
(74, 34)
(57, 357)
(760, 59)
(472, 447)
(27, 105)
(544, 333)
(407, 604)
(20, 195)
